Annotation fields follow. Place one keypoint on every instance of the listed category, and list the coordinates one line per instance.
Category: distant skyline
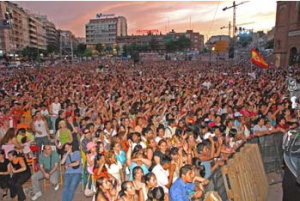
(163, 16)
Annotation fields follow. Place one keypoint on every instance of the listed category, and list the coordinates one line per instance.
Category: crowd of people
(152, 131)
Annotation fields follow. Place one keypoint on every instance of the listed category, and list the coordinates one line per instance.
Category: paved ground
(275, 192)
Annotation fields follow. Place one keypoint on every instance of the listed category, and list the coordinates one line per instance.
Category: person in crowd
(4, 174)
(138, 181)
(63, 136)
(184, 188)
(113, 166)
(128, 192)
(90, 156)
(72, 175)
(9, 142)
(156, 194)
(49, 169)
(41, 130)
(20, 174)
(54, 109)
(105, 190)
(137, 158)
(87, 137)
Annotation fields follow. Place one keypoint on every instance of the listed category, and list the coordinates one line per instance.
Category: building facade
(105, 30)
(17, 36)
(287, 34)
(25, 30)
(37, 33)
(197, 40)
(67, 42)
(52, 35)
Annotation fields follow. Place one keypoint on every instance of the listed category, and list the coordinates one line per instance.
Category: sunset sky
(163, 16)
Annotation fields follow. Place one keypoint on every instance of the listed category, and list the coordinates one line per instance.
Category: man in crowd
(49, 170)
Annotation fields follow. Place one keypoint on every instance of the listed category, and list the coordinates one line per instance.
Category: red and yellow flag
(258, 59)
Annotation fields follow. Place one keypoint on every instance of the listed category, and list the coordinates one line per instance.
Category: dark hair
(200, 146)
(134, 171)
(148, 176)
(10, 133)
(124, 188)
(99, 182)
(156, 193)
(13, 153)
(232, 132)
(174, 151)
(165, 159)
(22, 130)
(184, 169)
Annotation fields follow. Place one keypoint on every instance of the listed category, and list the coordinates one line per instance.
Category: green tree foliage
(180, 44)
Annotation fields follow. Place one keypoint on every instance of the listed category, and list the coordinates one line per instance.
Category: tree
(125, 51)
(183, 43)
(31, 53)
(80, 49)
(154, 44)
(109, 49)
(88, 53)
(99, 47)
(51, 49)
(118, 49)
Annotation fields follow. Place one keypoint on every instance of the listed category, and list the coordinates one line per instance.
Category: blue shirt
(121, 157)
(133, 165)
(75, 156)
(207, 167)
(181, 191)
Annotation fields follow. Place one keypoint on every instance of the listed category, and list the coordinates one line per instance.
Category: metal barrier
(270, 148)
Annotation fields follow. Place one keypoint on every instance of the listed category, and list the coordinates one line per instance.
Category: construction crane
(229, 27)
(234, 6)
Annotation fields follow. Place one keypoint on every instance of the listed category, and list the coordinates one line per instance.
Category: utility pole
(234, 6)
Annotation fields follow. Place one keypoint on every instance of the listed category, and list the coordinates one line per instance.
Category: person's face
(67, 148)
(139, 174)
(126, 122)
(117, 147)
(152, 143)
(135, 138)
(189, 176)
(149, 134)
(11, 157)
(152, 182)
(106, 184)
(130, 189)
(48, 150)
(163, 147)
(108, 126)
(161, 132)
(1, 156)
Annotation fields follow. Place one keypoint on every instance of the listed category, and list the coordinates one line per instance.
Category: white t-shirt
(114, 170)
(40, 125)
(161, 176)
(55, 108)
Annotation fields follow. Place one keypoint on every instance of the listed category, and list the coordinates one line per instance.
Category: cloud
(158, 15)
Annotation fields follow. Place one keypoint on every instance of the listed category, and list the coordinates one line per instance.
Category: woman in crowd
(113, 166)
(128, 192)
(9, 142)
(20, 174)
(138, 181)
(63, 136)
(72, 175)
(4, 173)
(137, 158)
(105, 190)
